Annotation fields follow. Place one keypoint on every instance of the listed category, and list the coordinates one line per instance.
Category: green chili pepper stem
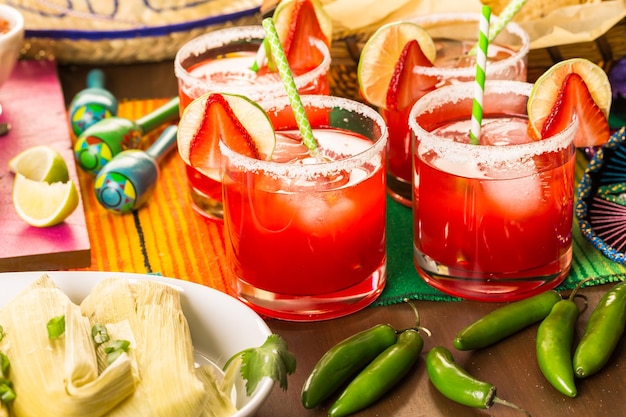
(417, 313)
(382, 374)
(417, 326)
(458, 385)
(578, 287)
(555, 336)
(343, 361)
(506, 321)
(603, 331)
(498, 400)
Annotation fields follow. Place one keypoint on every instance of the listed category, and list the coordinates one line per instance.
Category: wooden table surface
(510, 365)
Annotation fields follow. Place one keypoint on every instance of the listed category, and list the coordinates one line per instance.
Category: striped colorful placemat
(167, 237)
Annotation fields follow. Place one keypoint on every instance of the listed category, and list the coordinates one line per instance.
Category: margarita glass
(454, 35)
(306, 236)
(221, 61)
(494, 222)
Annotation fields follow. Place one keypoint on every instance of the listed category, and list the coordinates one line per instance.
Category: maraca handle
(165, 113)
(164, 144)
(95, 79)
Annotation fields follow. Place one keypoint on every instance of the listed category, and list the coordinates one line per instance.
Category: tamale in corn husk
(57, 377)
(218, 404)
(169, 383)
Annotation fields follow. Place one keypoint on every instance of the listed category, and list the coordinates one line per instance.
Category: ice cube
(504, 131)
(325, 213)
(517, 198)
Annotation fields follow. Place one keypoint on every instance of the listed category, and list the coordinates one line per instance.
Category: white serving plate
(220, 325)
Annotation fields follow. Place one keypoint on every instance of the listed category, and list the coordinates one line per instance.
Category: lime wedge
(40, 163)
(42, 204)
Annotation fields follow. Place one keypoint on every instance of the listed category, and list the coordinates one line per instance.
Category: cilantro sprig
(272, 359)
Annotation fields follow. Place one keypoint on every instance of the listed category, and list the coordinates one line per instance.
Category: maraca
(126, 182)
(92, 104)
(97, 145)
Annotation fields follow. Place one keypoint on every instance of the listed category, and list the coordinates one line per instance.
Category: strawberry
(405, 87)
(303, 26)
(218, 121)
(574, 98)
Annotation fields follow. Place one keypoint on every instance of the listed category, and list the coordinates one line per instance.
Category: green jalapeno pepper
(506, 321)
(458, 385)
(554, 346)
(343, 361)
(603, 331)
(380, 375)
(555, 337)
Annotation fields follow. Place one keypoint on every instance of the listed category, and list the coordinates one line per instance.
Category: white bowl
(11, 41)
(220, 325)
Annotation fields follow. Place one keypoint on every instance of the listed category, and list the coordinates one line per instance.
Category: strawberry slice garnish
(303, 26)
(219, 120)
(406, 87)
(574, 98)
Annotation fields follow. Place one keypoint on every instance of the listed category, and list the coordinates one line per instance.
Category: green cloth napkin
(404, 282)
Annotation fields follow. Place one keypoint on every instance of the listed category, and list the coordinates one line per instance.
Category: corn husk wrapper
(57, 377)
(220, 404)
(169, 384)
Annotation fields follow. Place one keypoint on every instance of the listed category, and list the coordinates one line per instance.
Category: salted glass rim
(222, 37)
(467, 72)
(462, 152)
(315, 169)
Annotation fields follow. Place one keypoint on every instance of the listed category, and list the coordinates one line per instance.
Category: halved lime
(43, 204)
(40, 163)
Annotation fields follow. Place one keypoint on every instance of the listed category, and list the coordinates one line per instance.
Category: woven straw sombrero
(114, 31)
(601, 205)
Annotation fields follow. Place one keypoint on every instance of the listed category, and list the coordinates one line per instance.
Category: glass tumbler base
(489, 287)
(317, 307)
(206, 206)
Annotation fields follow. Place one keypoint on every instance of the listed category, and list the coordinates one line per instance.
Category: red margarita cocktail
(222, 61)
(494, 221)
(306, 234)
(454, 35)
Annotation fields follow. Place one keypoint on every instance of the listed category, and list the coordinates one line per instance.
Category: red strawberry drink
(494, 221)
(454, 36)
(222, 61)
(306, 235)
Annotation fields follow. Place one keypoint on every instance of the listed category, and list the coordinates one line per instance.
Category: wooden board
(32, 103)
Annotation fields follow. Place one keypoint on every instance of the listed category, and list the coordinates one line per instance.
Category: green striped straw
(290, 85)
(505, 17)
(481, 70)
(501, 21)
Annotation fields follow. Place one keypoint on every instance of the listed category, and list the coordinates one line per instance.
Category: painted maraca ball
(115, 192)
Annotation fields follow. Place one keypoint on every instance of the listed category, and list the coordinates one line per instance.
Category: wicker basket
(345, 52)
